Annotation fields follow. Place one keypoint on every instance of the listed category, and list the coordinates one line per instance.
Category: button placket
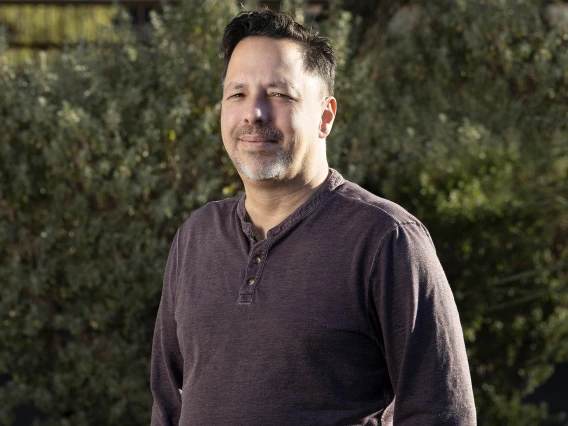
(255, 264)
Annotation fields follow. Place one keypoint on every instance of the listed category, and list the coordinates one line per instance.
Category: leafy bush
(456, 111)
(460, 116)
(103, 155)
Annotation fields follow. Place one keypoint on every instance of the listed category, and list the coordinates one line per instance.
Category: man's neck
(270, 202)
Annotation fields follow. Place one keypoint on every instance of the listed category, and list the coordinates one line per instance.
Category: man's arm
(421, 333)
(167, 362)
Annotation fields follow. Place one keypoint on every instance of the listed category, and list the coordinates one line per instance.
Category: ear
(327, 117)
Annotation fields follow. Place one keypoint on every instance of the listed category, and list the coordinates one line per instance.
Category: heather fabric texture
(341, 316)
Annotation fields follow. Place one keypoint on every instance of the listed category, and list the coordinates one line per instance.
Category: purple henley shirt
(341, 316)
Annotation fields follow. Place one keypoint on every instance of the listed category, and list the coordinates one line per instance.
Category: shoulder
(210, 217)
(364, 203)
(354, 214)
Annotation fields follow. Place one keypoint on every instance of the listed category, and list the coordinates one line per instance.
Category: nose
(257, 110)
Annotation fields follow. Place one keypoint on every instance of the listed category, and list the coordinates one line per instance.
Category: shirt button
(252, 238)
(250, 281)
(256, 260)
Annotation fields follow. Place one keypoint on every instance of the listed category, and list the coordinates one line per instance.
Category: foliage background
(456, 110)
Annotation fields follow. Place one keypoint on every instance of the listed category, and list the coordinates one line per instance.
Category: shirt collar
(325, 190)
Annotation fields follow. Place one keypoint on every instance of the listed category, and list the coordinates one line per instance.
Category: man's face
(271, 111)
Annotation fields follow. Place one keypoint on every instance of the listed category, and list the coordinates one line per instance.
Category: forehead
(259, 58)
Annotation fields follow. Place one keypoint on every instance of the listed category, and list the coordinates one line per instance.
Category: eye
(279, 95)
(236, 95)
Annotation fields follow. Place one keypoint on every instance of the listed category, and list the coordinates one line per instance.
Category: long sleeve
(421, 333)
(167, 362)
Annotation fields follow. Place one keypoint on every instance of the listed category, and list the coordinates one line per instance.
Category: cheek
(226, 121)
(226, 130)
(309, 122)
(299, 121)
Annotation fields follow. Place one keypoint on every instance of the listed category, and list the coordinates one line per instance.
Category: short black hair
(319, 57)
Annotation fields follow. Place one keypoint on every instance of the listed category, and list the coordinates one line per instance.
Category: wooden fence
(53, 24)
(32, 25)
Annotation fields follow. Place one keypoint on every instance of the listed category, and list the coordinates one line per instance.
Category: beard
(260, 165)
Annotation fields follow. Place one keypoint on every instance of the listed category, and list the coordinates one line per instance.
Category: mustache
(258, 129)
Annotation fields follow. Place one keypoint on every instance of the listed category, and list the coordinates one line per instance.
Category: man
(307, 300)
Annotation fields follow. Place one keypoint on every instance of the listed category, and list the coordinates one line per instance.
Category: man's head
(277, 107)
(319, 58)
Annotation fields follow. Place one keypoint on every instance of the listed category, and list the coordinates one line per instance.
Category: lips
(256, 139)
(257, 142)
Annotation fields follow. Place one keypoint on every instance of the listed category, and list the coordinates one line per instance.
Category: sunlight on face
(271, 110)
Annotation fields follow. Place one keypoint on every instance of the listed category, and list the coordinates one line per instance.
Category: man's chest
(300, 294)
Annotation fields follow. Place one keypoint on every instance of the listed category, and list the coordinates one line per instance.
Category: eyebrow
(280, 84)
(236, 86)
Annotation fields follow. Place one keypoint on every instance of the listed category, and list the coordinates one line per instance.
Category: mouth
(256, 142)
(256, 139)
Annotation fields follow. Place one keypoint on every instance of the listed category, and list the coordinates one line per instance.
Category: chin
(265, 173)
(257, 170)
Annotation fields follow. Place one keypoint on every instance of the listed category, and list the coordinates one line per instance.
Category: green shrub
(460, 116)
(103, 155)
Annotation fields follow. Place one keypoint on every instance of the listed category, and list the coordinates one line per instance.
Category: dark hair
(319, 57)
